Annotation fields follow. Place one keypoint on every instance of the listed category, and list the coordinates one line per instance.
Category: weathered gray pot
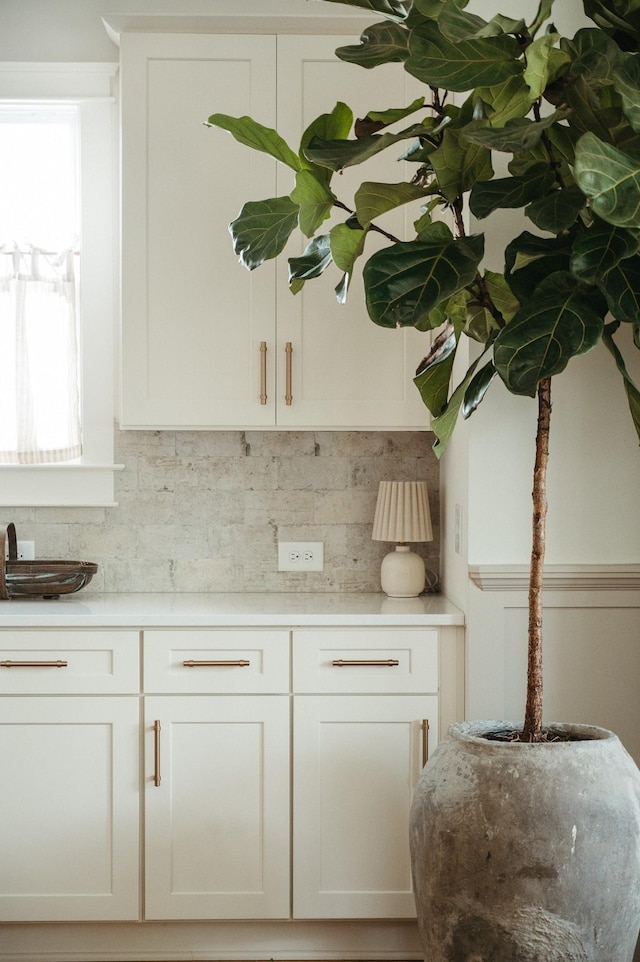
(527, 853)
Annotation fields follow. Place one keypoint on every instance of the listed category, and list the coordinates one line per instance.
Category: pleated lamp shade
(402, 516)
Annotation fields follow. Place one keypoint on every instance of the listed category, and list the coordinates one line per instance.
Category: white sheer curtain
(39, 348)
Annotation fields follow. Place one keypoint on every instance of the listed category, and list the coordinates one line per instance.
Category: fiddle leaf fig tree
(558, 118)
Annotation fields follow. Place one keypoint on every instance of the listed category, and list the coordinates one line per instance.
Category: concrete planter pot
(527, 853)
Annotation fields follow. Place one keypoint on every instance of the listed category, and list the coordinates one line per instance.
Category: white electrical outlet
(300, 555)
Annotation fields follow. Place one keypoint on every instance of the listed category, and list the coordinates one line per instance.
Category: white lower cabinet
(217, 807)
(69, 809)
(236, 823)
(69, 803)
(356, 762)
(359, 746)
(217, 774)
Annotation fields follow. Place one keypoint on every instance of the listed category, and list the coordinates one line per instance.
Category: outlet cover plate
(300, 555)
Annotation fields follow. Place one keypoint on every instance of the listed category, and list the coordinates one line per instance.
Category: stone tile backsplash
(204, 511)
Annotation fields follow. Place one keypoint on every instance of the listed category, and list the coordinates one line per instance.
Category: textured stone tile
(350, 444)
(203, 511)
(280, 444)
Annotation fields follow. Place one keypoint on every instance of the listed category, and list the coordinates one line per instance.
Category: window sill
(58, 485)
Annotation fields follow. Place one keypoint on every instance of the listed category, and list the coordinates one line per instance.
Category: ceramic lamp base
(402, 573)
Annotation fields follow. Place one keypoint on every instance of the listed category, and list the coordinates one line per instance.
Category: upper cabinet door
(346, 371)
(193, 320)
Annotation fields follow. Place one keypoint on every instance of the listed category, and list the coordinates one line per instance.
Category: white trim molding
(558, 577)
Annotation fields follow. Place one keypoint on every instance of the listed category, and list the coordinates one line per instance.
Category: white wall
(71, 30)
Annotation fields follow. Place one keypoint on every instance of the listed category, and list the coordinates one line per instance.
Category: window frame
(88, 482)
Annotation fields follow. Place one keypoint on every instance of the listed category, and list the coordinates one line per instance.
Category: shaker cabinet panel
(69, 808)
(383, 660)
(217, 807)
(231, 660)
(356, 762)
(193, 320)
(66, 662)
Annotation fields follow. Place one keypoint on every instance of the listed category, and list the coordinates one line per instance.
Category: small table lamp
(402, 515)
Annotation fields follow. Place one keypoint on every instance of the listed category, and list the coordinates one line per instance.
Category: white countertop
(227, 609)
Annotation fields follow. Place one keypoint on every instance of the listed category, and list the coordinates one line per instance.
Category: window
(40, 393)
(64, 114)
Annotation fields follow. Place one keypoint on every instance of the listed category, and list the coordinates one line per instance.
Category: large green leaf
(459, 165)
(405, 281)
(622, 290)
(377, 120)
(631, 390)
(506, 101)
(252, 134)
(332, 126)
(373, 199)
(392, 9)
(381, 43)
(434, 372)
(558, 210)
(542, 15)
(312, 263)
(621, 24)
(593, 54)
(544, 63)
(463, 65)
(510, 192)
(587, 114)
(314, 200)
(626, 80)
(337, 154)
(611, 179)
(597, 250)
(518, 135)
(561, 320)
(444, 424)
(456, 24)
(477, 388)
(529, 259)
(347, 244)
(262, 228)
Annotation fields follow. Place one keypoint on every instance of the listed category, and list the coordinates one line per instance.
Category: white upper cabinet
(206, 343)
(192, 318)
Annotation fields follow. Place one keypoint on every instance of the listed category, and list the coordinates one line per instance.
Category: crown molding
(579, 577)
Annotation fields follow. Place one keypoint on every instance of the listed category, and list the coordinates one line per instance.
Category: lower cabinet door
(217, 822)
(356, 761)
(69, 808)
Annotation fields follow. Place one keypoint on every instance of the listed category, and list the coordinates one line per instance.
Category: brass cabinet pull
(424, 728)
(288, 352)
(156, 753)
(357, 663)
(263, 372)
(240, 663)
(34, 664)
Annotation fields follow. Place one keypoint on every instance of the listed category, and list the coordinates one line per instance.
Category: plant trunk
(532, 730)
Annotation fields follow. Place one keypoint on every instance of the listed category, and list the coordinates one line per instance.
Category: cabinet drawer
(69, 662)
(365, 660)
(217, 660)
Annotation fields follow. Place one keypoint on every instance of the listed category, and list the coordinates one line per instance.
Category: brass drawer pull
(381, 663)
(288, 397)
(34, 664)
(424, 728)
(240, 663)
(156, 754)
(263, 372)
